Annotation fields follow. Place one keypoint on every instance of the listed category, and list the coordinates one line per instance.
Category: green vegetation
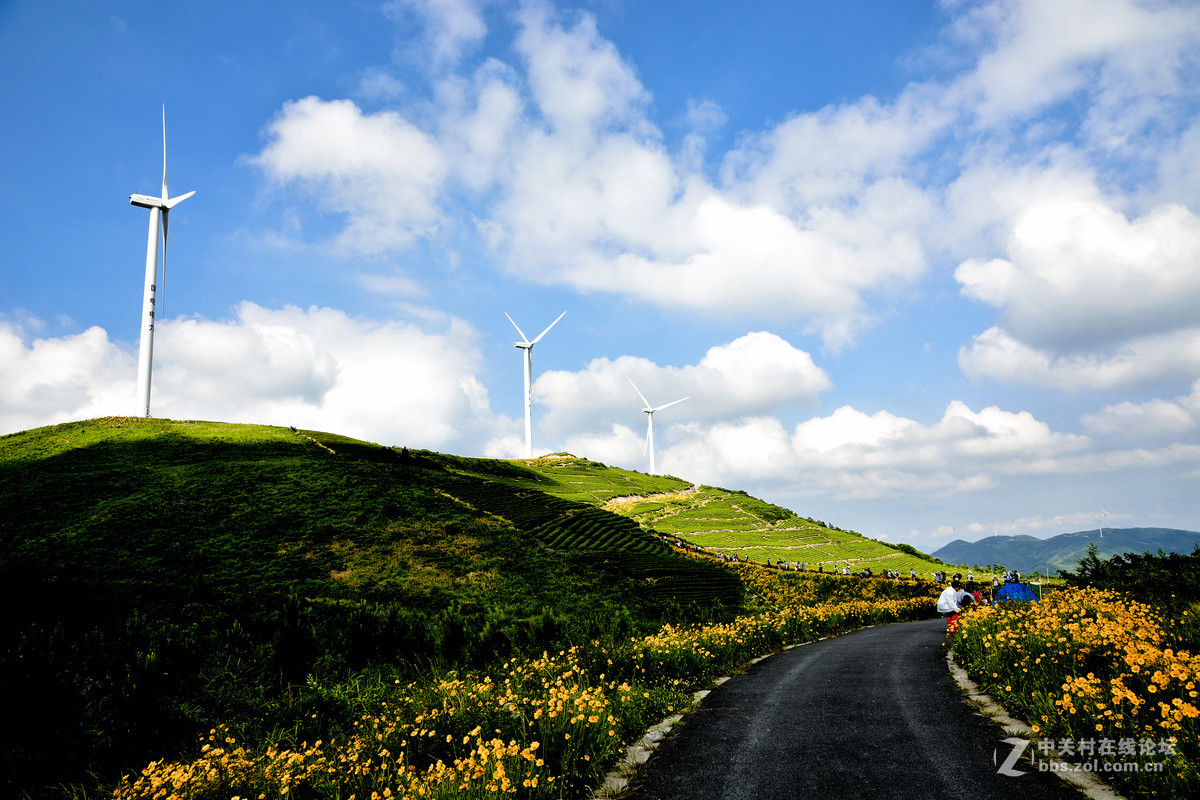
(165, 578)
(1168, 581)
(730, 522)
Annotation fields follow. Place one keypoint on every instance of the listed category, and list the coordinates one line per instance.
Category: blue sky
(926, 271)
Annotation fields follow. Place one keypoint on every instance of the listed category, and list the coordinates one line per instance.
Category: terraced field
(724, 522)
(559, 520)
(717, 520)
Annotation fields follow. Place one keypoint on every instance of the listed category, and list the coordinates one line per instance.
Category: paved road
(871, 711)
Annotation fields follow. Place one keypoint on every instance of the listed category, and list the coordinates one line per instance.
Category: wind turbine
(527, 346)
(1102, 521)
(159, 207)
(650, 420)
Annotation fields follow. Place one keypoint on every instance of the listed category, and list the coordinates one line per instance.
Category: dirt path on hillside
(639, 498)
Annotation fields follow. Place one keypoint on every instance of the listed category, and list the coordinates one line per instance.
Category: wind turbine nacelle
(145, 201)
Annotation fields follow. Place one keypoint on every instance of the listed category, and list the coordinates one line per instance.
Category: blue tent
(1014, 591)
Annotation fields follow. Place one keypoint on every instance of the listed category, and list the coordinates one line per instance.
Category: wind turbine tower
(650, 421)
(159, 208)
(527, 346)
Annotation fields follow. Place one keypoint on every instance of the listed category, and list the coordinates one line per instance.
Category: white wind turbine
(159, 207)
(650, 420)
(527, 346)
(1102, 519)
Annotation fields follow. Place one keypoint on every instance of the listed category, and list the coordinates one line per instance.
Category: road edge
(1087, 782)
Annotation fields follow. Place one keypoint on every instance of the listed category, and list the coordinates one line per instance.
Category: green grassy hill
(162, 577)
(718, 520)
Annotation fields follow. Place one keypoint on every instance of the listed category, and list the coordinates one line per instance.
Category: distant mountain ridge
(1031, 554)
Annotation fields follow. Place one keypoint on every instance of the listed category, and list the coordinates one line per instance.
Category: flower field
(1095, 672)
(540, 728)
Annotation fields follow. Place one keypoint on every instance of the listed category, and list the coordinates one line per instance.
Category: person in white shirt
(947, 604)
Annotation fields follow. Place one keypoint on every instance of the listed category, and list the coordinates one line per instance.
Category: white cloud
(1040, 53)
(1080, 274)
(559, 168)
(579, 81)
(828, 158)
(450, 26)
(481, 123)
(854, 455)
(703, 118)
(50, 380)
(755, 448)
(1141, 421)
(618, 445)
(756, 373)
(378, 170)
(567, 178)
(997, 355)
(389, 382)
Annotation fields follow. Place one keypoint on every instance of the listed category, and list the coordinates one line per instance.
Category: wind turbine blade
(174, 201)
(646, 445)
(639, 391)
(524, 338)
(548, 327)
(164, 123)
(668, 405)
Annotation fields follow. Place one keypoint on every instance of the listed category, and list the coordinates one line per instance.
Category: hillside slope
(160, 576)
(1063, 552)
(714, 519)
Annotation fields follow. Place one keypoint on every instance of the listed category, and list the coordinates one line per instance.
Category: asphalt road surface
(874, 713)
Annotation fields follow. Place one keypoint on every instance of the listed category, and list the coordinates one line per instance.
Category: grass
(737, 524)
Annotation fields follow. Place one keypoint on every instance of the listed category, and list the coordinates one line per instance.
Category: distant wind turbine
(650, 421)
(159, 207)
(1102, 519)
(527, 346)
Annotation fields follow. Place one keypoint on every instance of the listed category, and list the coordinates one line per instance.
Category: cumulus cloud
(1081, 275)
(1036, 54)
(853, 455)
(451, 26)
(378, 170)
(49, 380)
(597, 202)
(556, 161)
(997, 355)
(1151, 420)
(754, 374)
(391, 382)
